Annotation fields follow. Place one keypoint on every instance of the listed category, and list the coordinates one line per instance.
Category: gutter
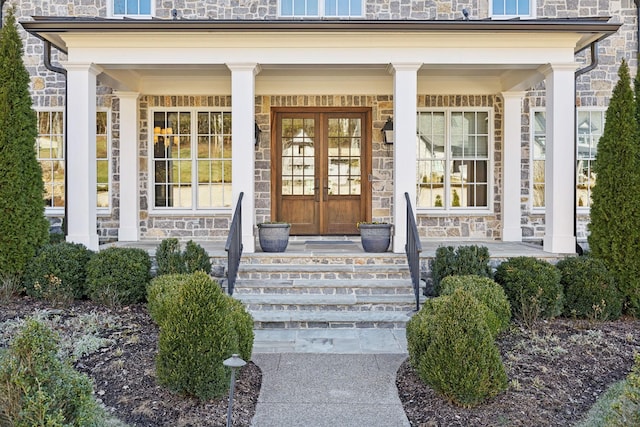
(594, 63)
(60, 70)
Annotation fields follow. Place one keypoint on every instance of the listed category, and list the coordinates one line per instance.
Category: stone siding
(593, 89)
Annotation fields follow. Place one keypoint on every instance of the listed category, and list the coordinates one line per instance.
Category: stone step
(323, 271)
(325, 286)
(272, 319)
(316, 302)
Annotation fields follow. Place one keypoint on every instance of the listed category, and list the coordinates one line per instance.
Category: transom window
(512, 8)
(51, 156)
(191, 155)
(317, 8)
(453, 159)
(132, 8)
(589, 128)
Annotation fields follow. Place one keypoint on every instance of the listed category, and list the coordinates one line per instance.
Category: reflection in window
(453, 159)
(509, 8)
(102, 158)
(317, 8)
(192, 167)
(590, 126)
(298, 156)
(344, 174)
(132, 7)
(538, 157)
(50, 153)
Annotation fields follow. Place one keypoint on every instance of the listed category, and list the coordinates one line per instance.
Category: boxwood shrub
(463, 260)
(200, 327)
(39, 389)
(453, 351)
(58, 272)
(487, 292)
(171, 260)
(533, 288)
(589, 288)
(118, 276)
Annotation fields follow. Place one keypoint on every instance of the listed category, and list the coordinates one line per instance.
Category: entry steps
(326, 291)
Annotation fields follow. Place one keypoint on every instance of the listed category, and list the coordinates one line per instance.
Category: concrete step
(323, 271)
(314, 302)
(272, 319)
(325, 286)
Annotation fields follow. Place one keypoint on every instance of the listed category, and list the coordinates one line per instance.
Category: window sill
(190, 213)
(457, 212)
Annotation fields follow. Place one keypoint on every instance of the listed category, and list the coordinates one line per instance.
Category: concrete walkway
(329, 377)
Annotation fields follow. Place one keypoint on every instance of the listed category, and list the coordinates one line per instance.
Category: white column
(129, 201)
(243, 155)
(81, 154)
(511, 165)
(560, 158)
(405, 100)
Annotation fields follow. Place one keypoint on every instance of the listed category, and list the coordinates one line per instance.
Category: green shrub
(56, 237)
(589, 289)
(171, 261)
(625, 410)
(196, 258)
(58, 272)
(118, 276)
(39, 389)
(453, 351)
(533, 288)
(464, 260)
(169, 257)
(487, 292)
(200, 327)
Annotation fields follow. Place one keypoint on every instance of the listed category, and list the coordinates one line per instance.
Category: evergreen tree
(615, 209)
(23, 226)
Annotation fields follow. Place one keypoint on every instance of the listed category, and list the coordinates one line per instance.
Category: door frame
(366, 156)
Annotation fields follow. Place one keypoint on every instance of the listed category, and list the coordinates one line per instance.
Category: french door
(322, 165)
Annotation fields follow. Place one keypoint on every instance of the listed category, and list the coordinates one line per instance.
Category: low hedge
(487, 292)
(58, 272)
(200, 327)
(460, 261)
(590, 289)
(532, 287)
(117, 276)
(453, 350)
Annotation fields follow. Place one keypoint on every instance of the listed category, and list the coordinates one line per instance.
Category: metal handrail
(413, 247)
(234, 246)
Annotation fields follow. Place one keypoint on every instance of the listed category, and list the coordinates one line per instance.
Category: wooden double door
(321, 169)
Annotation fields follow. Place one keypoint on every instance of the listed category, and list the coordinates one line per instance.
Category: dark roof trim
(81, 24)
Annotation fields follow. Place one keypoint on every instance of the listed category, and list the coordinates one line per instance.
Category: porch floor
(350, 245)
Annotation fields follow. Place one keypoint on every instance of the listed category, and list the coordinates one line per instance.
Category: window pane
(102, 159)
(312, 7)
(511, 7)
(286, 7)
(343, 7)
(356, 8)
(119, 7)
(498, 7)
(145, 7)
(523, 7)
(330, 8)
(132, 7)
(50, 154)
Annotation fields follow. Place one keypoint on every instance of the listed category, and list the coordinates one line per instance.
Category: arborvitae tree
(23, 226)
(615, 209)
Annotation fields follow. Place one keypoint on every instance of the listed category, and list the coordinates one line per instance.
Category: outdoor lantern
(387, 131)
(256, 133)
(234, 362)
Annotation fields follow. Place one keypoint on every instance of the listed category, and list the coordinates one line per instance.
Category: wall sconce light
(387, 131)
(256, 133)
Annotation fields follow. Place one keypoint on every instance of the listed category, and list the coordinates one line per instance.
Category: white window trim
(464, 211)
(321, 12)
(111, 14)
(531, 15)
(167, 211)
(532, 208)
(102, 211)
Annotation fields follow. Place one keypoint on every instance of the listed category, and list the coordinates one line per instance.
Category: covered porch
(250, 60)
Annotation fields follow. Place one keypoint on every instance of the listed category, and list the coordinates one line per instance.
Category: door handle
(316, 190)
(325, 193)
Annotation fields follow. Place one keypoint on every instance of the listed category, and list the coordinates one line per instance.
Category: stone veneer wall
(159, 226)
(381, 154)
(593, 88)
(468, 227)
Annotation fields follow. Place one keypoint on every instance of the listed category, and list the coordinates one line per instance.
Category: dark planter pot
(375, 237)
(273, 237)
